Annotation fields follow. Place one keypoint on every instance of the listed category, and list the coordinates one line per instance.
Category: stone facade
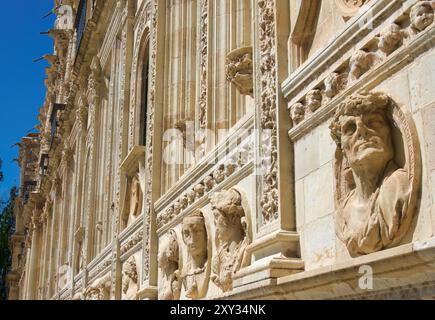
(207, 149)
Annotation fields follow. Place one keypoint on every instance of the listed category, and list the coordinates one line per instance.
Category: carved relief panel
(130, 284)
(169, 268)
(195, 275)
(377, 171)
(201, 255)
(233, 235)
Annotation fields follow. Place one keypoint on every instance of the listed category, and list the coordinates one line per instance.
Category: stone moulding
(231, 171)
(211, 174)
(338, 282)
(100, 264)
(366, 83)
(334, 86)
(132, 246)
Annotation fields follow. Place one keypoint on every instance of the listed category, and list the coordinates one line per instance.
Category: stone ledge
(409, 264)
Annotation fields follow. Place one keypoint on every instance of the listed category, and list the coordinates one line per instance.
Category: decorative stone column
(153, 151)
(95, 91)
(34, 267)
(275, 250)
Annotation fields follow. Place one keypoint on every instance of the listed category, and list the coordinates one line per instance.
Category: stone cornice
(409, 264)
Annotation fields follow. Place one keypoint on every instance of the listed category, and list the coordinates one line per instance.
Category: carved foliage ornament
(376, 186)
(268, 101)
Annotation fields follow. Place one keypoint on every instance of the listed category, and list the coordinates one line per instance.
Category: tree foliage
(7, 228)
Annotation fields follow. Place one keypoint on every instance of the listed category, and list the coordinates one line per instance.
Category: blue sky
(22, 90)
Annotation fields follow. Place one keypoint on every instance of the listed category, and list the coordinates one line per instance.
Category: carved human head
(93, 294)
(129, 272)
(194, 233)
(297, 113)
(228, 212)
(422, 15)
(362, 130)
(314, 99)
(169, 252)
(390, 38)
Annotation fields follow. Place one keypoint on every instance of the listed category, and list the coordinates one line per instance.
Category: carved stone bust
(374, 196)
(232, 237)
(99, 290)
(422, 15)
(195, 275)
(170, 285)
(129, 279)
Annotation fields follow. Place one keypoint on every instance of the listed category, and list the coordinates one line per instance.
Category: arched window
(304, 31)
(144, 96)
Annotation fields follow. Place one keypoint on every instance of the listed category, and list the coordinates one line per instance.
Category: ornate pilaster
(95, 87)
(268, 116)
(275, 246)
(203, 50)
(149, 273)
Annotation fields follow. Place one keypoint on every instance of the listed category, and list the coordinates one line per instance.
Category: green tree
(7, 228)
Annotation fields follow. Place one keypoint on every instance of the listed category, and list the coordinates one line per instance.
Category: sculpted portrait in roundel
(377, 171)
(233, 235)
(169, 265)
(195, 275)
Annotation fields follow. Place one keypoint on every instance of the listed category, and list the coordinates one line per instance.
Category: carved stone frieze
(375, 51)
(240, 158)
(132, 242)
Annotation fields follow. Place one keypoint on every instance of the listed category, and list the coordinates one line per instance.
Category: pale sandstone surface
(200, 150)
